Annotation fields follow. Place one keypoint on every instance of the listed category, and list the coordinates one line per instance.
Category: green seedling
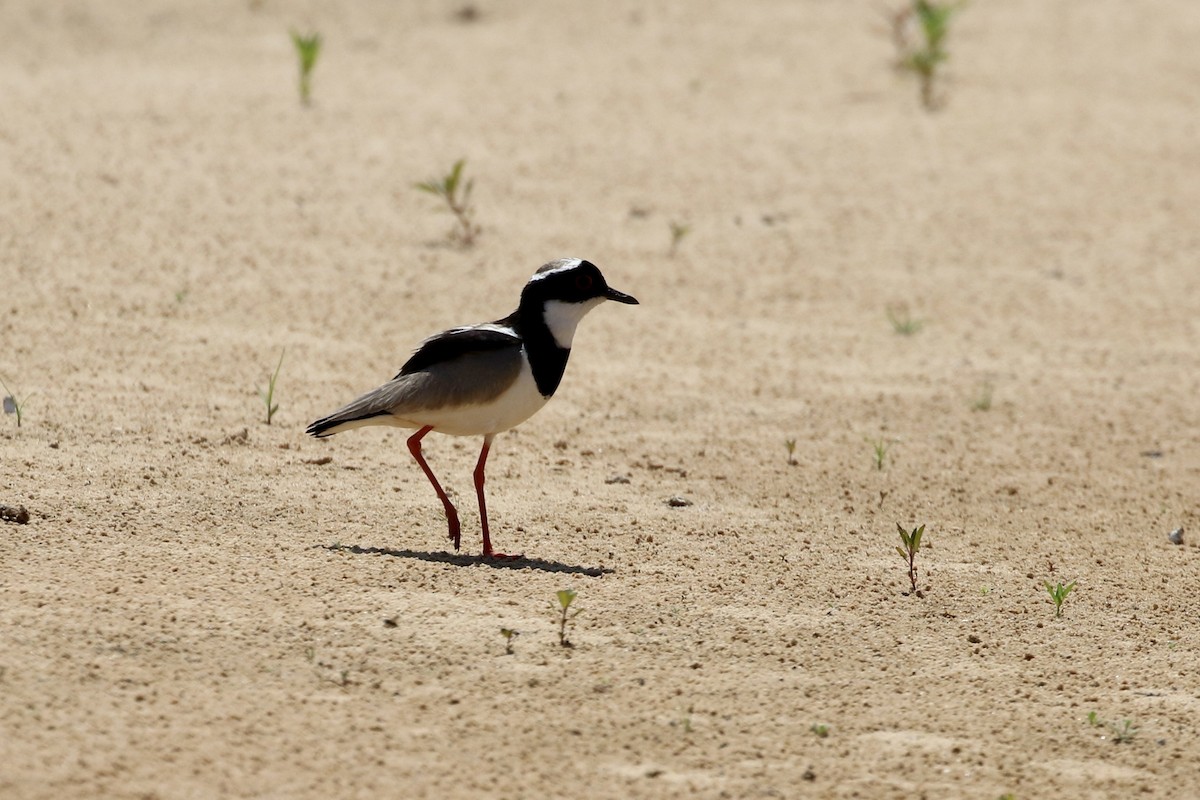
(307, 50)
(983, 400)
(457, 195)
(679, 230)
(820, 730)
(924, 59)
(911, 546)
(1123, 733)
(269, 395)
(565, 598)
(790, 444)
(879, 451)
(13, 404)
(1058, 593)
(1093, 719)
(903, 323)
(508, 634)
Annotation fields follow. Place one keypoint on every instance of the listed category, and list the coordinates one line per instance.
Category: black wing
(458, 342)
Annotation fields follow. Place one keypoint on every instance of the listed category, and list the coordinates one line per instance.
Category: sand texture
(202, 605)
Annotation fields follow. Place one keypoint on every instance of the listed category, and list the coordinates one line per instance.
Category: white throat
(562, 318)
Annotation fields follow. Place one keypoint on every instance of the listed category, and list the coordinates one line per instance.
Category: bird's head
(563, 291)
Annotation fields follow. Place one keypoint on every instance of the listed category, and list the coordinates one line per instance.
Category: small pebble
(678, 502)
(617, 477)
(17, 514)
(1176, 536)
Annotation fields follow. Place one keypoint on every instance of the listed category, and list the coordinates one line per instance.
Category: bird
(484, 379)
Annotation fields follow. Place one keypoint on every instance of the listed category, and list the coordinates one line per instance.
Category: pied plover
(481, 380)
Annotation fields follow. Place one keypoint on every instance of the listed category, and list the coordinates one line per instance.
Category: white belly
(515, 405)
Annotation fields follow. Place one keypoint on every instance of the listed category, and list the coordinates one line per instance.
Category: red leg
(483, 520)
(414, 447)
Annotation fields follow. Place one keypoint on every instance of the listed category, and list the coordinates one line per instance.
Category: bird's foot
(455, 534)
(492, 555)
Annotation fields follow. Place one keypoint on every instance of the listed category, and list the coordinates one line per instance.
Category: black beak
(612, 294)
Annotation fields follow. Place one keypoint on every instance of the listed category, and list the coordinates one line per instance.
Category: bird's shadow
(463, 560)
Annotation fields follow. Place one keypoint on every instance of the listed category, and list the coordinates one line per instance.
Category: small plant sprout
(790, 444)
(307, 49)
(1093, 719)
(1058, 593)
(565, 598)
(679, 230)
(508, 634)
(983, 399)
(924, 59)
(13, 404)
(879, 451)
(269, 395)
(1124, 732)
(457, 194)
(903, 323)
(820, 730)
(911, 545)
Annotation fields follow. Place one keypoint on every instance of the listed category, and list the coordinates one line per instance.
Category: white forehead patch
(561, 265)
(562, 318)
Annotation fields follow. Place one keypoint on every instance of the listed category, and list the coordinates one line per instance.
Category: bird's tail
(345, 419)
(379, 406)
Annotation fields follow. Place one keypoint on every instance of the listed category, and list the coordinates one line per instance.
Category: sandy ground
(198, 607)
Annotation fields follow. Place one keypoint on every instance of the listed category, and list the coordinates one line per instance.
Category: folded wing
(462, 366)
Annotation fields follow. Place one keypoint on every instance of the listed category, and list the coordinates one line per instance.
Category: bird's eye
(583, 282)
